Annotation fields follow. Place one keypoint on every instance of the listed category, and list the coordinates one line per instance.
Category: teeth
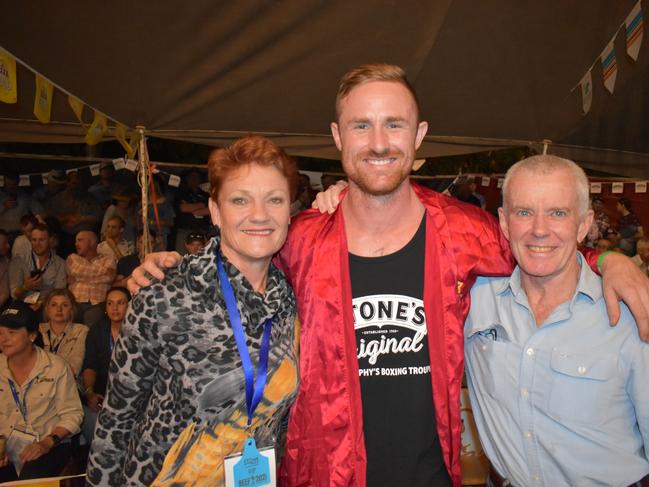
(379, 162)
(257, 232)
(538, 248)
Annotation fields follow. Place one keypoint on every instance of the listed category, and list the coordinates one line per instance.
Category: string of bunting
(633, 27)
(173, 180)
(44, 94)
(617, 187)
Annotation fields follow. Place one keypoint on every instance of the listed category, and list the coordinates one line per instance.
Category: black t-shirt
(98, 353)
(391, 341)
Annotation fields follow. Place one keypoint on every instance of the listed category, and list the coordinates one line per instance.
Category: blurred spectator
(603, 244)
(195, 242)
(90, 275)
(60, 336)
(102, 190)
(628, 226)
(122, 206)
(4, 268)
(473, 186)
(99, 348)
(305, 195)
(32, 277)
(22, 245)
(126, 265)
(76, 210)
(193, 214)
(114, 244)
(461, 190)
(54, 182)
(642, 257)
(39, 401)
(327, 180)
(14, 203)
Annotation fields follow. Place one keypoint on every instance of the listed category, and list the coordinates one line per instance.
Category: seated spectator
(60, 336)
(32, 277)
(195, 242)
(39, 402)
(5, 292)
(629, 227)
(99, 348)
(126, 265)
(642, 257)
(23, 245)
(461, 190)
(473, 186)
(41, 197)
(89, 277)
(14, 203)
(123, 207)
(114, 244)
(192, 215)
(327, 180)
(603, 244)
(102, 190)
(76, 210)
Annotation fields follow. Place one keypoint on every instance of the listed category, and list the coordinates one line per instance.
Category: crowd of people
(204, 365)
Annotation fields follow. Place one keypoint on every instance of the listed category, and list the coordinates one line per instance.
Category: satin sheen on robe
(325, 442)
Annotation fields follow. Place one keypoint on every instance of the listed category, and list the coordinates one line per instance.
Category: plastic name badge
(252, 468)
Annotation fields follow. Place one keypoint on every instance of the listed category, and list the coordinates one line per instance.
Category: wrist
(600, 259)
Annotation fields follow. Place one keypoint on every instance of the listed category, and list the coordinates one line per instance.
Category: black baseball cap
(194, 236)
(19, 315)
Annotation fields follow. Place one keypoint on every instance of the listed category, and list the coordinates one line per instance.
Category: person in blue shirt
(560, 397)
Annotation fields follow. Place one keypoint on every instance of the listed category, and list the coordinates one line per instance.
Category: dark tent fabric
(489, 74)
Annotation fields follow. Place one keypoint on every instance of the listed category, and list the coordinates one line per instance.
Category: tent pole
(546, 144)
(143, 181)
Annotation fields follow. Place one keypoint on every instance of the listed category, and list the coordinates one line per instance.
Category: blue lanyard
(22, 406)
(254, 388)
(111, 342)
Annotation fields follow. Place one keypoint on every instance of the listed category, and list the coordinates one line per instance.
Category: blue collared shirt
(562, 404)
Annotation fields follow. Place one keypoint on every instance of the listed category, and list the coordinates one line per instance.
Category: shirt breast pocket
(580, 386)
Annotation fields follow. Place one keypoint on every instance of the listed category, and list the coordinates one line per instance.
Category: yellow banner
(43, 99)
(120, 135)
(8, 88)
(77, 108)
(97, 129)
(134, 142)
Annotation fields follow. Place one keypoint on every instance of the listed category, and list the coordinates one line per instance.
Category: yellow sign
(97, 129)
(43, 99)
(120, 135)
(77, 108)
(8, 88)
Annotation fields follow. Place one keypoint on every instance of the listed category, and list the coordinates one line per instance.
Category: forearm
(88, 377)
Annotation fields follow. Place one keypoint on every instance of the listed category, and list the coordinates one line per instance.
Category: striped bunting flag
(634, 29)
(609, 67)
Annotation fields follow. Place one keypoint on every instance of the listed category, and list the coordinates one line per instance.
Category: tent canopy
(489, 74)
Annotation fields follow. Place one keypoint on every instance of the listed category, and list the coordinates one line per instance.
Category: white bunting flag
(634, 27)
(596, 188)
(485, 181)
(24, 180)
(118, 164)
(641, 187)
(94, 169)
(501, 181)
(617, 188)
(609, 67)
(44, 178)
(131, 165)
(68, 171)
(586, 84)
(174, 180)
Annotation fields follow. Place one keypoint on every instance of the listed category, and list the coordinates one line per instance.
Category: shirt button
(525, 393)
(581, 370)
(528, 434)
(484, 348)
(530, 352)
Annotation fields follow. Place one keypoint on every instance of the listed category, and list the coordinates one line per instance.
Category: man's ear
(422, 128)
(335, 132)
(502, 219)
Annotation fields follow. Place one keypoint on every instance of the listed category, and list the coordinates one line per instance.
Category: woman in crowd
(99, 348)
(39, 402)
(60, 336)
(177, 397)
(628, 226)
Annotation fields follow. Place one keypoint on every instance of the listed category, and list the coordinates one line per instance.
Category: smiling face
(542, 221)
(378, 134)
(40, 241)
(252, 212)
(15, 341)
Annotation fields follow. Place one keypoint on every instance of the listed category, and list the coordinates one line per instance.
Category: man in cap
(195, 242)
(558, 395)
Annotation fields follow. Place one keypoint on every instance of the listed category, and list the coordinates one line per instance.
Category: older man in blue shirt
(560, 397)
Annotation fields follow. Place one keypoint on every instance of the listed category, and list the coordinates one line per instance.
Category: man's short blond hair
(366, 73)
(547, 164)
